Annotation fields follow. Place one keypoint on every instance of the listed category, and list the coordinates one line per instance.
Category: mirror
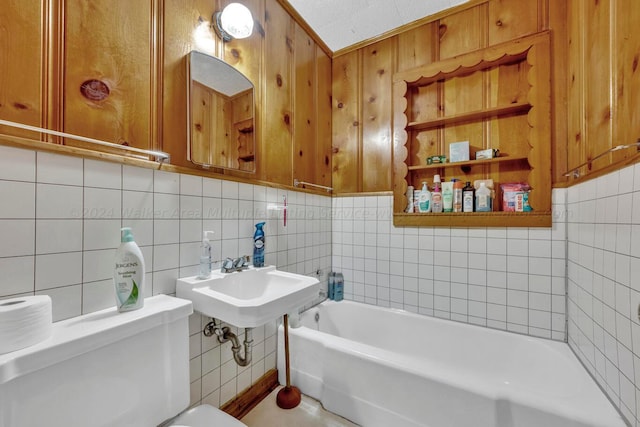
(220, 103)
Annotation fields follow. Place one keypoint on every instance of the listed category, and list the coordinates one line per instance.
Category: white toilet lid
(206, 416)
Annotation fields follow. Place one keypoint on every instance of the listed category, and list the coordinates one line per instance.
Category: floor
(309, 413)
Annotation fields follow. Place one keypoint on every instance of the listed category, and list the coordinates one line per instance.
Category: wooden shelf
(469, 163)
(520, 107)
(474, 219)
(517, 78)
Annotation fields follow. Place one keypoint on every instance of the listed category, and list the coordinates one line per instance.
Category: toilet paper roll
(24, 321)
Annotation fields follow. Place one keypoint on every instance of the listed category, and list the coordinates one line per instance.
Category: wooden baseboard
(248, 399)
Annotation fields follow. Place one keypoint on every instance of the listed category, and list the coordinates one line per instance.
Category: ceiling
(342, 23)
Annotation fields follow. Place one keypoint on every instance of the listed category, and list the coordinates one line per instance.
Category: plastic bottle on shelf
(447, 196)
(457, 195)
(484, 203)
(409, 208)
(468, 197)
(436, 195)
(424, 201)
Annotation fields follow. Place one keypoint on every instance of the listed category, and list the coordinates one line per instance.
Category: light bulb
(237, 21)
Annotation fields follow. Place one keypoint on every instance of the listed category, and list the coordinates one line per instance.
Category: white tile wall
(59, 228)
(511, 279)
(604, 285)
(60, 211)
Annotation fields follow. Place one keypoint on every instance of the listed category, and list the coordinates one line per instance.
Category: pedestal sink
(248, 298)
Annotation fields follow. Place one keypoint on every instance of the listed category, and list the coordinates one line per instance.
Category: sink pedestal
(289, 396)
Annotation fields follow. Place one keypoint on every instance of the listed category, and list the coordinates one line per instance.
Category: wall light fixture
(234, 22)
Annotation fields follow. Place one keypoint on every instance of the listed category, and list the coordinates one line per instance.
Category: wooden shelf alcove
(497, 97)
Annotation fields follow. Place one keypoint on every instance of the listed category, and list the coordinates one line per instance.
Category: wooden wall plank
(510, 19)
(576, 132)
(597, 97)
(186, 28)
(276, 145)
(626, 83)
(323, 118)
(109, 41)
(21, 64)
(304, 124)
(558, 12)
(377, 60)
(346, 123)
(416, 47)
(462, 32)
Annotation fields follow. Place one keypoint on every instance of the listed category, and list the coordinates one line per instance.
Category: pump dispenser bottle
(205, 256)
(424, 200)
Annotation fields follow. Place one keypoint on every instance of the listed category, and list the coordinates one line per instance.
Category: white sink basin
(248, 298)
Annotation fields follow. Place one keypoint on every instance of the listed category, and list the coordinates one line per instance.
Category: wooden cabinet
(496, 97)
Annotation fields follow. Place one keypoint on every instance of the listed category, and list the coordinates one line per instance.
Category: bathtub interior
(371, 364)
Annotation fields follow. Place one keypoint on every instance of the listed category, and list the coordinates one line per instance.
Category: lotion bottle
(424, 201)
(447, 196)
(128, 275)
(436, 195)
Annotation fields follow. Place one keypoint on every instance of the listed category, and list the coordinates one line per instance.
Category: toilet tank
(102, 369)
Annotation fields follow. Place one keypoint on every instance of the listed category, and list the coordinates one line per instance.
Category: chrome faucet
(230, 265)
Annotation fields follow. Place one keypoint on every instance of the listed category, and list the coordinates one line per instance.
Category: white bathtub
(390, 368)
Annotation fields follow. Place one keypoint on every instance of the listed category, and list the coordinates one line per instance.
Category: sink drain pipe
(224, 334)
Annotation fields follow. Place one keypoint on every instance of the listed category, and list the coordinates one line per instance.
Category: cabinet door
(108, 73)
(21, 64)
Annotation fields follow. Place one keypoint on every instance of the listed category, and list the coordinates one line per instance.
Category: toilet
(107, 369)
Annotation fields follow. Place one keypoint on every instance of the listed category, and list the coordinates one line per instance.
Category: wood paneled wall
(603, 81)
(138, 51)
(362, 81)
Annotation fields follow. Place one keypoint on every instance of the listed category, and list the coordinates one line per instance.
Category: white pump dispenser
(205, 256)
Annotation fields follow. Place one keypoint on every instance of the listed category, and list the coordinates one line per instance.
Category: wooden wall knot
(287, 119)
(20, 106)
(634, 66)
(235, 53)
(442, 29)
(499, 23)
(340, 105)
(279, 80)
(94, 90)
(356, 123)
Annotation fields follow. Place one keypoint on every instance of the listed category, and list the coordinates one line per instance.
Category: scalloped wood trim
(503, 53)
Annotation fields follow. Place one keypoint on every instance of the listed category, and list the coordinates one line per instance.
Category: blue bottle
(338, 287)
(258, 246)
(331, 285)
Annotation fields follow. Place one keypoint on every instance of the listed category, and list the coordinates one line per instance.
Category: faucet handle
(227, 265)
